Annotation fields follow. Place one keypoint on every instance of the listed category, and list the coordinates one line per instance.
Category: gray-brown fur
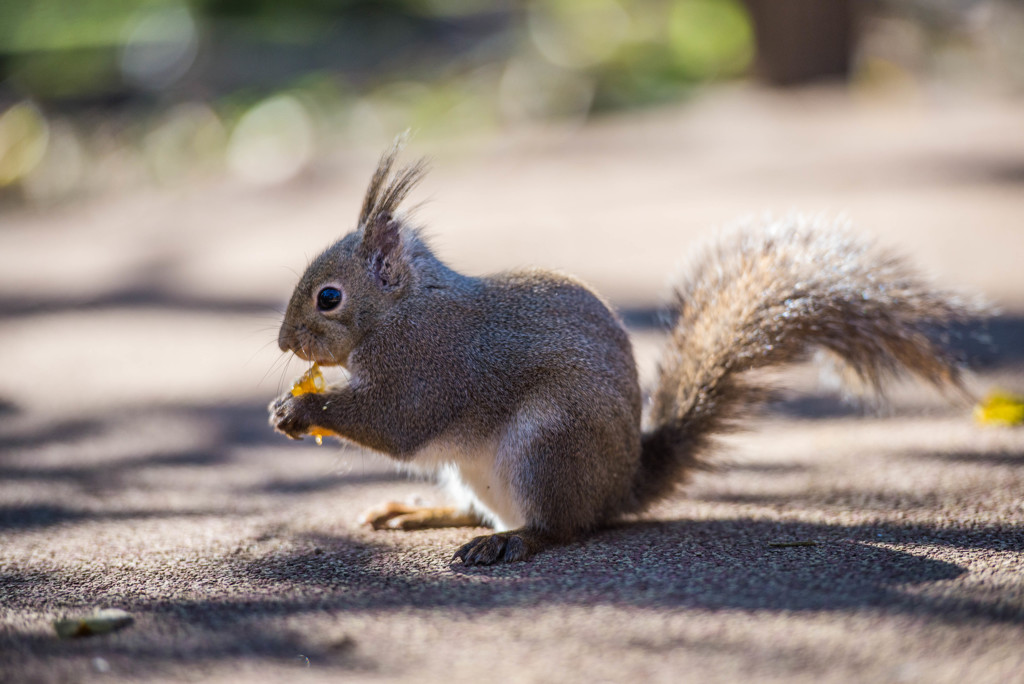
(524, 383)
(768, 294)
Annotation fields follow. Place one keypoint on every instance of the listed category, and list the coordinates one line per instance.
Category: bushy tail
(767, 295)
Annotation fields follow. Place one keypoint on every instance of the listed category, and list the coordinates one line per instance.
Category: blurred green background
(100, 95)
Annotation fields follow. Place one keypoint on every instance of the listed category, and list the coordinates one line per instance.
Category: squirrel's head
(348, 288)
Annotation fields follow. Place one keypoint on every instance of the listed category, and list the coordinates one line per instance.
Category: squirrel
(520, 391)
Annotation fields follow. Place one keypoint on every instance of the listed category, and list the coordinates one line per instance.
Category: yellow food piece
(1000, 408)
(312, 382)
(319, 434)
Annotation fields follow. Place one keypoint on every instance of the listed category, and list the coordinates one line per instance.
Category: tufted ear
(382, 233)
(382, 247)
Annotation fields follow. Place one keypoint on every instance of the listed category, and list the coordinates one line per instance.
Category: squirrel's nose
(286, 338)
(295, 339)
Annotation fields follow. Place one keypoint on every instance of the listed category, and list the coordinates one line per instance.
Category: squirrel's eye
(328, 298)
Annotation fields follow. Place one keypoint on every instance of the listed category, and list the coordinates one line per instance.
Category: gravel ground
(137, 471)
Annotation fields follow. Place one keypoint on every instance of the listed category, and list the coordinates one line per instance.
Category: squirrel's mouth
(313, 354)
(301, 341)
(318, 359)
(323, 360)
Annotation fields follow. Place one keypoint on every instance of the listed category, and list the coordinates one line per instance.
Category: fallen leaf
(101, 622)
(1000, 408)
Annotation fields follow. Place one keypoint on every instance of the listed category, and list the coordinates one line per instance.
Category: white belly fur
(467, 474)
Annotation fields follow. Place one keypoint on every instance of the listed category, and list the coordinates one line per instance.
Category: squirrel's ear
(382, 247)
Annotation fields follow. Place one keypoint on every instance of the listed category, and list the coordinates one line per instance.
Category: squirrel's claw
(285, 419)
(517, 545)
(485, 550)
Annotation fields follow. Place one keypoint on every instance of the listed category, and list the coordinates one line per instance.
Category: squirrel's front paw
(288, 416)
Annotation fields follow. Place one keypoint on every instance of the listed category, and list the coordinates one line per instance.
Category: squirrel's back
(547, 334)
(546, 318)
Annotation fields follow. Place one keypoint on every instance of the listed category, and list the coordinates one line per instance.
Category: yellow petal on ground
(1000, 408)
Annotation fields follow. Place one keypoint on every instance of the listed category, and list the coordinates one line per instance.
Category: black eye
(329, 298)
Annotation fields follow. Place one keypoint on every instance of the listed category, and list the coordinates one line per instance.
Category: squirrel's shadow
(728, 564)
(738, 564)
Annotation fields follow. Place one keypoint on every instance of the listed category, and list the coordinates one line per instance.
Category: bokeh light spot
(272, 143)
(23, 139)
(711, 38)
(160, 46)
(576, 35)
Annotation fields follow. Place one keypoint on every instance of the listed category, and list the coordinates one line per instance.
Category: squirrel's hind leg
(514, 545)
(393, 515)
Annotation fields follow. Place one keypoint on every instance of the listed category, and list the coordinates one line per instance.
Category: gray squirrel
(520, 392)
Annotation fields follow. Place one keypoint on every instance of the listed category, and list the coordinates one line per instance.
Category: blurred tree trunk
(803, 40)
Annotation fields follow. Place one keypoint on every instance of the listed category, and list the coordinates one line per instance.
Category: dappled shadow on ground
(133, 297)
(838, 499)
(164, 637)
(321, 483)
(256, 594)
(851, 498)
(706, 565)
(95, 468)
(709, 565)
(1007, 172)
(250, 596)
(761, 468)
(164, 655)
(15, 517)
(726, 564)
(236, 424)
(997, 458)
(108, 474)
(52, 432)
(107, 454)
(152, 285)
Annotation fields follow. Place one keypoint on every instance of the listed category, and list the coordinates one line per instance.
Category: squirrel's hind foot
(393, 515)
(516, 545)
